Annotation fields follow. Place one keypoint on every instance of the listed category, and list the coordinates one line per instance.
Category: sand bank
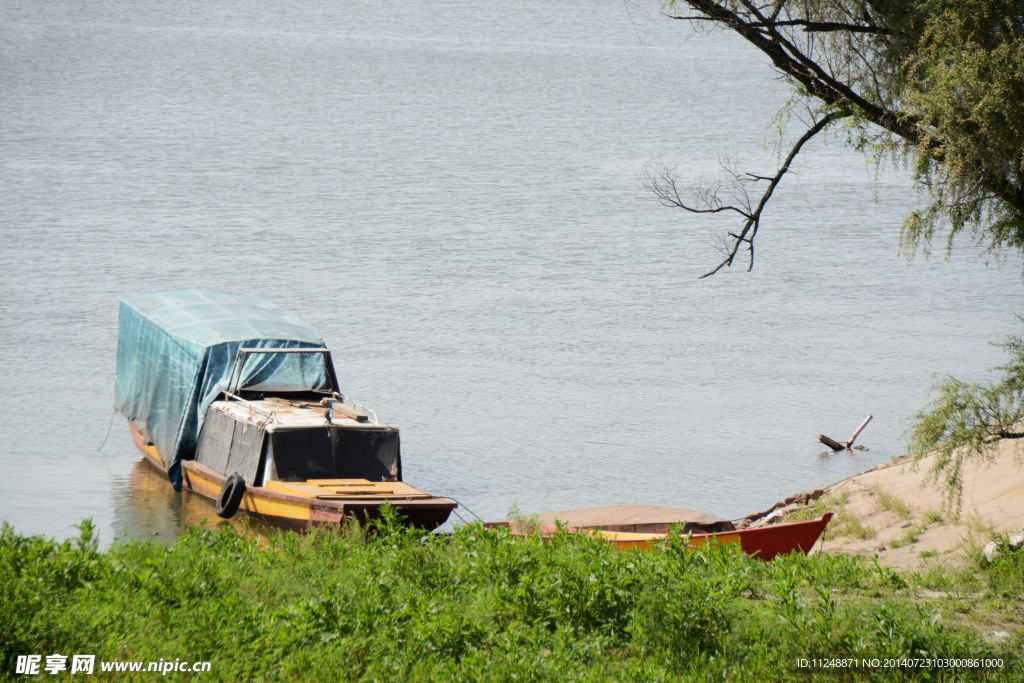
(894, 512)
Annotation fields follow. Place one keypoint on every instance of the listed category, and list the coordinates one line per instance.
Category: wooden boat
(764, 543)
(645, 519)
(270, 434)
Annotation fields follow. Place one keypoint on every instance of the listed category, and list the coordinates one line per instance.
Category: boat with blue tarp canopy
(238, 401)
(175, 352)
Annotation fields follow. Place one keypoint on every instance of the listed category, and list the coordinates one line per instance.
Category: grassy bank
(483, 605)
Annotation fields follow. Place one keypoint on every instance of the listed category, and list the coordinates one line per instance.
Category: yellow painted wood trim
(252, 501)
(316, 488)
(149, 450)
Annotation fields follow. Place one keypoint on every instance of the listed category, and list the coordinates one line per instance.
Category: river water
(451, 194)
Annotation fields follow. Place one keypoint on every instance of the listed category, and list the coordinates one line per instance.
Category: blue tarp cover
(175, 351)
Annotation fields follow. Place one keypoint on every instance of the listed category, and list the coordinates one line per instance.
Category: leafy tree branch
(968, 420)
(937, 85)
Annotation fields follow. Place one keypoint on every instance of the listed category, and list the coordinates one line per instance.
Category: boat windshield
(336, 453)
(274, 370)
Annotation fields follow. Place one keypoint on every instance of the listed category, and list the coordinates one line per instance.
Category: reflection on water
(146, 506)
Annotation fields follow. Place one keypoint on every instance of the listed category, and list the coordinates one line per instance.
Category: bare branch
(751, 225)
(808, 26)
(663, 183)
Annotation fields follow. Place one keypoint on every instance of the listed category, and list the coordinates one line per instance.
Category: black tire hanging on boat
(230, 496)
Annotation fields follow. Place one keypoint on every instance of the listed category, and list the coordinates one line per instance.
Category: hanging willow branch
(932, 85)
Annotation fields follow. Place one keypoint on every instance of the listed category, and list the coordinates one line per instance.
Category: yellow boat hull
(316, 502)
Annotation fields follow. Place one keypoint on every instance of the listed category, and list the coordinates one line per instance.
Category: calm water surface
(450, 193)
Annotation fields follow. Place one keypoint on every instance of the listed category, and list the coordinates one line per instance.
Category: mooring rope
(109, 425)
(463, 505)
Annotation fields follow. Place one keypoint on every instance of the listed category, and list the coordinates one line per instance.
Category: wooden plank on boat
(348, 488)
(372, 496)
(350, 412)
(294, 488)
(636, 519)
(335, 406)
(355, 492)
(396, 488)
(356, 486)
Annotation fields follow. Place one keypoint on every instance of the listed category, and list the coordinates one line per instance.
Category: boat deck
(644, 519)
(347, 489)
(278, 413)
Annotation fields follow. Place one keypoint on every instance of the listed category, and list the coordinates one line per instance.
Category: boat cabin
(295, 436)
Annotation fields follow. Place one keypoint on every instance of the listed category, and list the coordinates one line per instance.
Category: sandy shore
(892, 511)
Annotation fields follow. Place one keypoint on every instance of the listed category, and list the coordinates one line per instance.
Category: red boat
(763, 542)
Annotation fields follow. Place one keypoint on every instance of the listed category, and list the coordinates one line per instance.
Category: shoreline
(894, 513)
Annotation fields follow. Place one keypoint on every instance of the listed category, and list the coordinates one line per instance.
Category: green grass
(886, 501)
(913, 531)
(910, 536)
(843, 524)
(977, 532)
(932, 516)
(388, 604)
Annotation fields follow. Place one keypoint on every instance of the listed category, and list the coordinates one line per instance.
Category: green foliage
(478, 605)
(843, 523)
(888, 501)
(967, 420)
(933, 85)
(965, 83)
(1006, 575)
